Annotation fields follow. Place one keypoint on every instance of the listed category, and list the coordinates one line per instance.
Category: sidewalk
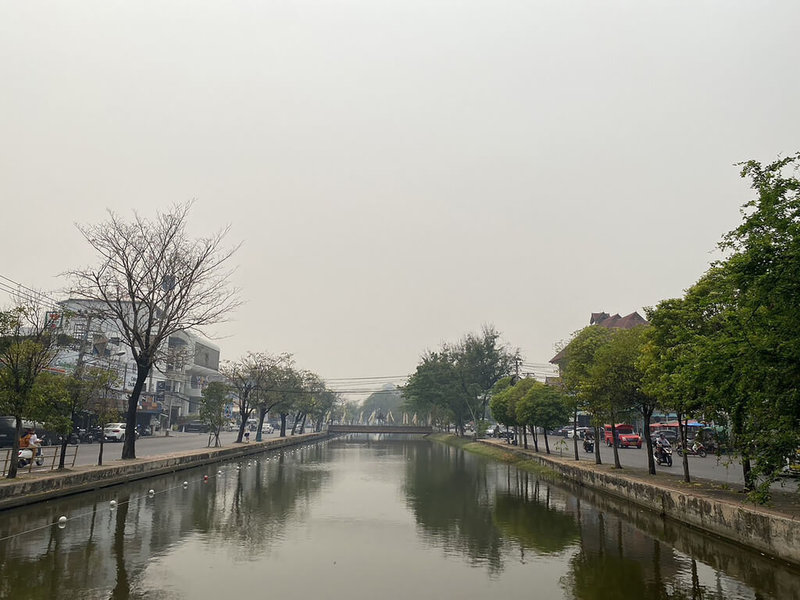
(39, 486)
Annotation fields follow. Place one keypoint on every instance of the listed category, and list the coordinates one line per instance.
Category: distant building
(603, 319)
(175, 383)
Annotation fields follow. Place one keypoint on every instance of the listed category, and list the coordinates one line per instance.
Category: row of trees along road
(262, 383)
(454, 384)
(29, 342)
(728, 351)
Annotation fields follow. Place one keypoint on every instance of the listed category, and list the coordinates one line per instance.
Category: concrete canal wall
(770, 533)
(40, 487)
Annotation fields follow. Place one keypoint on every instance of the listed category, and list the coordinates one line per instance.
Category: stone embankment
(773, 531)
(38, 487)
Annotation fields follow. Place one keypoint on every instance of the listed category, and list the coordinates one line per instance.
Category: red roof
(603, 319)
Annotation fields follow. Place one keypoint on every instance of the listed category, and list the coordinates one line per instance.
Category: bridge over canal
(404, 429)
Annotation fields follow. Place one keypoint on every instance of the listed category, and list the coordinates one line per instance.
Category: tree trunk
(129, 446)
(262, 412)
(244, 414)
(535, 438)
(525, 437)
(62, 457)
(575, 433)
(546, 443)
(283, 424)
(648, 439)
(216, 431)
(682, 434)
(12, 467)
(597, 458)
(617, 464)
(747, 473)
(100, 454)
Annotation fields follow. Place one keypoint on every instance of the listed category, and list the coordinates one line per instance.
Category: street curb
(22, 492)
(776, 535)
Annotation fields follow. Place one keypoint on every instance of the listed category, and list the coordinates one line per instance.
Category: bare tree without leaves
(153, 281)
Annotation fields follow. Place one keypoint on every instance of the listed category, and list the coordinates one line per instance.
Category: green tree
(503, 403)
(549, 408)
(212, 409)
(434, 388)
(26, 350)
(678, 359)
(480, 361)
(70, 395)
(615, 381)
(575, 367)
(457, 380)
(763, 272)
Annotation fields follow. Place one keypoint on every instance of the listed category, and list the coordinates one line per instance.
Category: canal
(356, 518)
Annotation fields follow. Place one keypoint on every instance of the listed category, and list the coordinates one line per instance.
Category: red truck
(626, 436)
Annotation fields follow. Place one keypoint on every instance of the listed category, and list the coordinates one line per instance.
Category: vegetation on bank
(493, 453)
(727, 352)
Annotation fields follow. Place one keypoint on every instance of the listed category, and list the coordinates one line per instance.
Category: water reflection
(398, 506)
(496, 514)
(103, 550)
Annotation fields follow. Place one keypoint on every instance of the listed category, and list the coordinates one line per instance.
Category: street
(156, 445)
(724, 469)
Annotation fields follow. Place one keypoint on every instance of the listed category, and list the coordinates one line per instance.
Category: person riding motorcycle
(662, 443)
(29, 447)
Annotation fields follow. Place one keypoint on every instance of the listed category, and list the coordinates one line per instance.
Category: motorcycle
(663, 455)
(25, 456)
(588, 445)
(696, 449)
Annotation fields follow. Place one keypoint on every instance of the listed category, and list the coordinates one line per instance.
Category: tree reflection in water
(240, 512)
(491, 513)
(513, 524)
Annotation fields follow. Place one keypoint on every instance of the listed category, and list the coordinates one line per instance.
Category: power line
(24, 291)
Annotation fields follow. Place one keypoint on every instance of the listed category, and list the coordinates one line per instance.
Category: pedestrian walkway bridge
(404, 429)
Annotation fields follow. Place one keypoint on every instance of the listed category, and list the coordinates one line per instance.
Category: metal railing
(48, 458)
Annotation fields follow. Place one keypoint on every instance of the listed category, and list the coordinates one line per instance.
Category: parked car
(267, 428)
(194, 427)
(581, 431)
(114, 432)
(670, 434)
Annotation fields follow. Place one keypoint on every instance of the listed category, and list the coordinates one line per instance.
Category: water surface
(364, 518)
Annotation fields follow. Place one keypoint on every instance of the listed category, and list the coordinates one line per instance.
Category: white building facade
(175, 384)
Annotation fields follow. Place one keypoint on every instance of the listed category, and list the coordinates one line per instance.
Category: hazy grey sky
(400, 172)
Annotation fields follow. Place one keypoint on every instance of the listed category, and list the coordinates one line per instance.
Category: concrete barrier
(770, 533)
(37, 488)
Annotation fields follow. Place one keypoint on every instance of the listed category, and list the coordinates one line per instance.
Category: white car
(114, 432)
(267, 428)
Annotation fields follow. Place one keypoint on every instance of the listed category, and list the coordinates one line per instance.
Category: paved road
(723, 469)
(155, 445)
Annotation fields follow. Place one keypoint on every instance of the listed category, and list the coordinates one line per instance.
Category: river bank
(704, 505)
(40, 486)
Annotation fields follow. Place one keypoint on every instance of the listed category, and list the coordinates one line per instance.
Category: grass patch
(494, 453)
